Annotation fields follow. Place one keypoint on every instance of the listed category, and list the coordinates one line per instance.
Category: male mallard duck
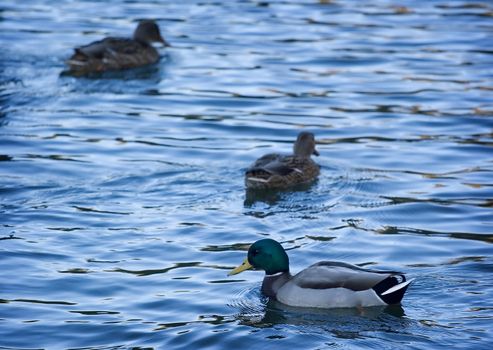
(118, 53)
(326, 284)
(276, 171)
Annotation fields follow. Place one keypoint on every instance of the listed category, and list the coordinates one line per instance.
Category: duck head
(267, 255)
(148, 32)
(304, 146)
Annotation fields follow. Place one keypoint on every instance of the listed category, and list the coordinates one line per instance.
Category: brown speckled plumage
(118, 53)
(276, 171)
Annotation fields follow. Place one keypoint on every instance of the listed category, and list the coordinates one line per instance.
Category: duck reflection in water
(343, 321)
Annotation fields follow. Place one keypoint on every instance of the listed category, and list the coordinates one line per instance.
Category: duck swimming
(115, 53)
(326, 284)
(276, 171)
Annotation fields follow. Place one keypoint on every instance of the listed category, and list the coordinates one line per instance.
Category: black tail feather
(394, 297)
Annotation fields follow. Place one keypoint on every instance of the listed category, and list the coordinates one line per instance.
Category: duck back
(111, 54)
(275, 171)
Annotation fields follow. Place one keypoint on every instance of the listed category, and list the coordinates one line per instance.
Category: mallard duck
(118, 53)
(276, 171)
(326, 284)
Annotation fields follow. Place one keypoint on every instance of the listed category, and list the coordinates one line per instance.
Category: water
(122, 200)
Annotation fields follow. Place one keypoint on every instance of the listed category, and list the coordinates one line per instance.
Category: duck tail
(392, 289)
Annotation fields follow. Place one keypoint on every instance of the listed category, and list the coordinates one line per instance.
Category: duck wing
(271, 164)
(333, 274)
(107, 47)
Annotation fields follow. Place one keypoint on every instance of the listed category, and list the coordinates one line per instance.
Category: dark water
(122, 201)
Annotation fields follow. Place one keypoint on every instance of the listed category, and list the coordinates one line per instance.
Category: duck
(115, 53)
(325, 284)
(277, 171)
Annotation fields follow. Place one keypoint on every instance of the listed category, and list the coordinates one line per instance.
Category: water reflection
(152, 73)
(259, 311)
(392, 230)
(5, 158)
(272, 196)
(346, 323)
(206, 319)
(149, 272)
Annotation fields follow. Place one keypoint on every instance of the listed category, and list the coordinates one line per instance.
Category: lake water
(122, 203)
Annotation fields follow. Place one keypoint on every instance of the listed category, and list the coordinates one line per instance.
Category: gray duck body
(329, 284)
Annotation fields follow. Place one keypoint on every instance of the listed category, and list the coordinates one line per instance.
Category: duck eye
(255, 252)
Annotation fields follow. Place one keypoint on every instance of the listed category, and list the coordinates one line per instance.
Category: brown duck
(276, 171)
(115, 53)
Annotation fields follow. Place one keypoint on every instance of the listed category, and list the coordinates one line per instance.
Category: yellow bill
(244, 266)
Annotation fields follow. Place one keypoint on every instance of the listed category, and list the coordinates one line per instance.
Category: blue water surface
(122, 203)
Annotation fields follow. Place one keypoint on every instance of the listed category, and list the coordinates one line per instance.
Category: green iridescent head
(265, 254)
